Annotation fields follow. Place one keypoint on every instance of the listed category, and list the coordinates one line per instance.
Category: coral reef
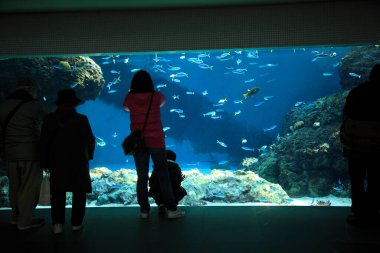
(358, 62)
(53, 74)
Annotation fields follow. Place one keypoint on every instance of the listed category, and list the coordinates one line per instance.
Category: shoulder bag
(135, 140)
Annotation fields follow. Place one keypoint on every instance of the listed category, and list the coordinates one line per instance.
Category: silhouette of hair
(141, 83)
(375, 73)
(25, 82)
(170, 154)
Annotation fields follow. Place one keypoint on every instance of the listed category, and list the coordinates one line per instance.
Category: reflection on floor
(204, 229)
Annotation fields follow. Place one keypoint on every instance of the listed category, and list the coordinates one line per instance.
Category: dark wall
(249, 26)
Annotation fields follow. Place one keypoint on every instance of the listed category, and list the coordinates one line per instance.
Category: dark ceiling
(84, 5)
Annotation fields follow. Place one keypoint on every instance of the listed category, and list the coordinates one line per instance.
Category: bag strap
(10, 115)
(147, 114)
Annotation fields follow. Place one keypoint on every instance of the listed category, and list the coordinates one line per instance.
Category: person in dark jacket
(363, 166)
(19, 146)
(176, 178)
(67, 145)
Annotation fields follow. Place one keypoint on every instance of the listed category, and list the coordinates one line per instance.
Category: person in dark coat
(67, 145)
(363, 166)
(176, 178)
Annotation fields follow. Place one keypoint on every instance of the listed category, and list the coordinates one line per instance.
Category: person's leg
(373, 187)
(357, 178)
(78, 208)
(141, 158)
(161, 168)
(14, 184)
(29, 177)
(58, 205)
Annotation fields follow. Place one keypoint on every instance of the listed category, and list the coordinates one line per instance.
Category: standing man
(360, 135)
(20, 122)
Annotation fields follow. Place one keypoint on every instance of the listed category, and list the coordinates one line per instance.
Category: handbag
(44, 199)
(135, 140)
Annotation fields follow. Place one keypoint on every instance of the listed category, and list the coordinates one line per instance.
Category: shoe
(57, 229)
(36, 222)
(76, 228)
(161, 209)
(144, 215)
(176, 214)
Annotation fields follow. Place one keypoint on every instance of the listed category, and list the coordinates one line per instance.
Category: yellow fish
(251, 92)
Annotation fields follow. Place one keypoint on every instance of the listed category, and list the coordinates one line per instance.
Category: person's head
(141, 83)
(171, 155)
(67, 97)
(28, 85)
(374, 76)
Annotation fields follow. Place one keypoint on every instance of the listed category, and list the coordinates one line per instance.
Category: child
(176, 177)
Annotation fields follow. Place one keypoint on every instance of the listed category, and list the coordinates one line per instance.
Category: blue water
(284, 77)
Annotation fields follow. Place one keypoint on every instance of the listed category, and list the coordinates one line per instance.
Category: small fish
(249, 80)
(176, 80)
(126, 60)
(106, 62)
(354, 75)
(299, 103)
(181, 115)
(338, 188)
(116, 186)
(223, 162)
(44, 98)
(237, 112)
(166, 129)
(175, 96)
(238, 61)
(134, 70)
(219, 196)
(269, 128)
(262, 200)
(73, 85)
(204, 93)
(190, 92)
(115, 72)
(243, 140)
(327, 74)
(221, 143)
(288, 200)
(251, 92)
(182, 57)
(238, 101)
(161, 85)
(216, 117)
(258, 103)
(266, 98)
(247, 148)
(176, 110)
(112, 91)
(222, 101)
(114, 135)
(100, 142)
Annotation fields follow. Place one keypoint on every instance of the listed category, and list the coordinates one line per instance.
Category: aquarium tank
(249, 126)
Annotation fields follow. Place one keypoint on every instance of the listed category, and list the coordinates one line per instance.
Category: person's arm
(125, 103)
(90, 138)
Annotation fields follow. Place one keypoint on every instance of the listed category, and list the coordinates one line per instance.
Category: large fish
(251, 92)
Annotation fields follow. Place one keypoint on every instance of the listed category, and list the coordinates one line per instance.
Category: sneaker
(161, 209)
(144, 215)
(176, 214)
(36, 222)
(76, 228)
(57, 229)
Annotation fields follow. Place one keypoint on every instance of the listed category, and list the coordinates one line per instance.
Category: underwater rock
(309, 161)
(53, 74)
(357, 64)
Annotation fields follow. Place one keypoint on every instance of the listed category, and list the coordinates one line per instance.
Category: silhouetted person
(176, 177)
(362, 105)
(137, 103)
(67, 145)
(21, 117)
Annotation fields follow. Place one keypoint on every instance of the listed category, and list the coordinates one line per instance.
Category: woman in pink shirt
(137, 102)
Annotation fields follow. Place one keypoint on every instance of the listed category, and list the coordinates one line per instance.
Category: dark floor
(204, 229)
